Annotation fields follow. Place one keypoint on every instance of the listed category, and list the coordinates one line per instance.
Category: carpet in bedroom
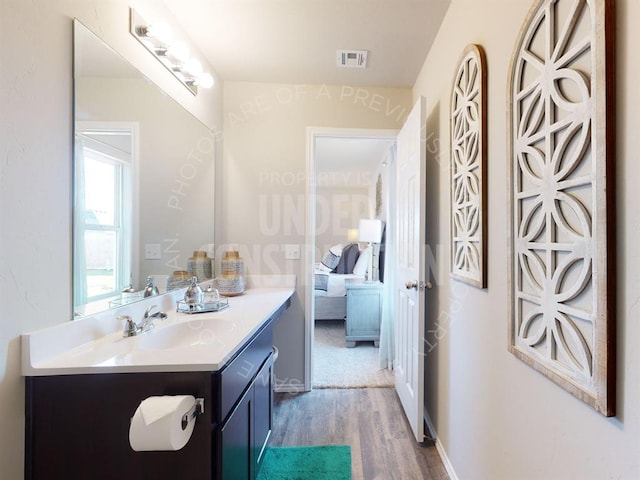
(336, 366)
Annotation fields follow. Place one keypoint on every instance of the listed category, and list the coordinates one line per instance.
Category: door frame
(314, 133)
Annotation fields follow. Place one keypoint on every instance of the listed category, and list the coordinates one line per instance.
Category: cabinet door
(236, 442)
(244, 435)
(263, 411)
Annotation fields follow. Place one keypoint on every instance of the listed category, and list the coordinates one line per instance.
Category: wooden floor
(370, 420)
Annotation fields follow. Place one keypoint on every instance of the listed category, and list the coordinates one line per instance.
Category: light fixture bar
(174, 55)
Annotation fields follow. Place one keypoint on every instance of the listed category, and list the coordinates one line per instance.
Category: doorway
(343, 168)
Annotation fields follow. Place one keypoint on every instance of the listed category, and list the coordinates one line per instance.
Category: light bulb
(179, 51)
(161, 31)
(193, 67)
(204, 80)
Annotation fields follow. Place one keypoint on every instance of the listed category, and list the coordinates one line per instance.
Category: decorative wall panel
(468, 183)
(561, 201)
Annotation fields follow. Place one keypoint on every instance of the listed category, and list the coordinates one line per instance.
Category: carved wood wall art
(468, 168)
(561, 155)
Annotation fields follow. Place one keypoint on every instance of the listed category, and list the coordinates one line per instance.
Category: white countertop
(182, 342)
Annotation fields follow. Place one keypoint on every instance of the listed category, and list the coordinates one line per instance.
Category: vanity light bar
(157, 38)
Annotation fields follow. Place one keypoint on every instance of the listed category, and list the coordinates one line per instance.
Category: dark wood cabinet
(263, 411)
(235, 447)
(77, 425)
(244, 435)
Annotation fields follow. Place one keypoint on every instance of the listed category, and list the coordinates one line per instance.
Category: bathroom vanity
(79, 402)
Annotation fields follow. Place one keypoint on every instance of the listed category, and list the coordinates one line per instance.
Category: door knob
(411, 284)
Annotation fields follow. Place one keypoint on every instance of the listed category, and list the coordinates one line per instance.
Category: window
(103, 219)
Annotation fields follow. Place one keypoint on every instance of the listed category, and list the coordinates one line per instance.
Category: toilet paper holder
(197, 409)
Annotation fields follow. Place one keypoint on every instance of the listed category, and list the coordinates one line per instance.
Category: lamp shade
(370, 230)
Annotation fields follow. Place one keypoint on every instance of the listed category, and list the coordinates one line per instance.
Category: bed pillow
(321, 268)
(348, 259)
(332, 257)
(360, 268)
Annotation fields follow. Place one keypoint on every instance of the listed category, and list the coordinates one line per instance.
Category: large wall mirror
(143, 179)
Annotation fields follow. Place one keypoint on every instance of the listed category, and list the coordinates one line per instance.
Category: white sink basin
(185, 334)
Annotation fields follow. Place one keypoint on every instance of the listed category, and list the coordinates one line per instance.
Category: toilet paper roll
(157, 423)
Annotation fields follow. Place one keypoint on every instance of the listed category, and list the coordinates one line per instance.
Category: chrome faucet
(147, 319)
(131, 328)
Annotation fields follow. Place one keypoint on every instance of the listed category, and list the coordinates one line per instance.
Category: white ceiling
(295, 41)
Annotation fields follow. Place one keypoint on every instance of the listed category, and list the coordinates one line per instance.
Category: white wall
(495, 417)
(263, 178)
(339, 209)
(35, 175)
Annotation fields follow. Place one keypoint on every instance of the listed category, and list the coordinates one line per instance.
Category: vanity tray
(216, 306)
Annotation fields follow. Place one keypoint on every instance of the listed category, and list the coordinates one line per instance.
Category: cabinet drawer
(234, 379)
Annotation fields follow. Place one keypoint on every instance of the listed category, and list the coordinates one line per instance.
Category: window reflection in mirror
(103, 223)
(155, 187)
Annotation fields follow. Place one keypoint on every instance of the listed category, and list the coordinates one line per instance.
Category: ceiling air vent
(352, 58)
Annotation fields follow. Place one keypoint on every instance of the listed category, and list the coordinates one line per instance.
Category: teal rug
(329, 462)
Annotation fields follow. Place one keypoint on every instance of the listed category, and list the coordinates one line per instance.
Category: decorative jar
(200, 266)
(231, 281)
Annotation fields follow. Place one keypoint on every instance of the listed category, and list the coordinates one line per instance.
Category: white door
(410, 277)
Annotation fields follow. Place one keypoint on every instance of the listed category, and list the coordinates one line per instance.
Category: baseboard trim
(440, 448)
(289, 387)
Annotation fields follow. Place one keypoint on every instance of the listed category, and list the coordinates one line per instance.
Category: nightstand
(364, 311)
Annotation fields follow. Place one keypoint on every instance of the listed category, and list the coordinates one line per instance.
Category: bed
(331, 304)
(330, 292)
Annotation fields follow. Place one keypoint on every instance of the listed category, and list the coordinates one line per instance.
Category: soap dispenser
(150, 290)
(194, 294)
(129, 292)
